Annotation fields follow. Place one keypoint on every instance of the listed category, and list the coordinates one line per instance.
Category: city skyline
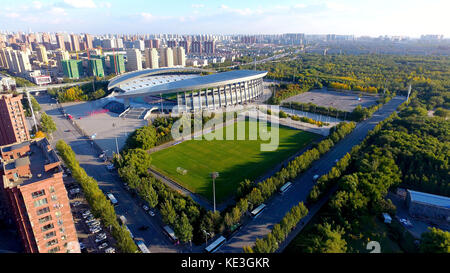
(401, 18)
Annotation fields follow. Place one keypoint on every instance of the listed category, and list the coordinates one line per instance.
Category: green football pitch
(235, 160)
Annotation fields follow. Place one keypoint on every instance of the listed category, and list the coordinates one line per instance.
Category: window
(54, 198)
(43, 210)
(41, 202)
(37, 194)
(45, 219)
(52, 189)
(60, 222)
(62, 230)
(47, 227)
(50, 235)
(64, 237)
(53, 250)
(58, 214)
(52, 242)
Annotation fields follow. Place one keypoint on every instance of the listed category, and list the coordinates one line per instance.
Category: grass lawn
(235, 160)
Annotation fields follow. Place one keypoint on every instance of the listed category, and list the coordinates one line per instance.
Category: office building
(88, 40)
(33, 185)
(13, 127)
(134, 59)
(61, 55)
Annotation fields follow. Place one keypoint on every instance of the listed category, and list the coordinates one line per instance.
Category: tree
(168, 213)
(47, 124)
(183, 229)
(435, 241)
(143, 138)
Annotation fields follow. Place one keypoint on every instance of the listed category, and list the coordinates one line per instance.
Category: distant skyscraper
(196, 47)
(134, 59)
(171, 43)
(179, 56)
(42, 54)
(139, 44)
(60, 41)
(61, 55)
(186, 44)
(151, 58)
(75, 42)
(155, 43)
(88, 40)
(210, 47)
(165, 57)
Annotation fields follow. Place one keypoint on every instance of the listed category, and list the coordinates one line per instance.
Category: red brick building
(33, 185)
(13, 127)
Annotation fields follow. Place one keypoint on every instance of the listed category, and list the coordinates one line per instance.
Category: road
(154, 237)
(281, 204)
(45, 87)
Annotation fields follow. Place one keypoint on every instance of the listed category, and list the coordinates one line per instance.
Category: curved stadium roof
(190, 84)
(130, 76)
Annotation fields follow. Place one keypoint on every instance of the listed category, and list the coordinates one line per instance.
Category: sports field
(235, 160)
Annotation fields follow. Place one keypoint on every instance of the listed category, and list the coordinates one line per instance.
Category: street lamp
(214, 175)
(206, 236)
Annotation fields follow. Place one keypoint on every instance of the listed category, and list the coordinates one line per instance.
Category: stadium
(184, 89)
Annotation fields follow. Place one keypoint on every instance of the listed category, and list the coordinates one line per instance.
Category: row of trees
(252, 195)
(83, 92)
(346, 86)
(101, 207)
(284, 91)
(271, 241)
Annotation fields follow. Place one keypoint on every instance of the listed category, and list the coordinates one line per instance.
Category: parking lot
(92, 235)
(345, 101)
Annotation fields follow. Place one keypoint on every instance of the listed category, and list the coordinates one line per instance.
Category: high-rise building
(19, 61)
(96, 67)
(60, 41)
(210, 47)
(13, 127)
(75, 42)
(109, 43)
(119, 43)
(3, 58)
(61, 55)
(171, 43)
(134, 59)
(151, 58)
(32, 182)
(139, 44)
(179, 56)
(117, 63)
(186, 44)
(72, 69)
(42, 54)
(88, 40)
(155, 43)
(165, 57)
(196, 47)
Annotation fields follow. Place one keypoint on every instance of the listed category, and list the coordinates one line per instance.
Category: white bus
(142, 246)
(285, 187)
(256, 212)
(170, 232)
(112, 198)
(215, 245)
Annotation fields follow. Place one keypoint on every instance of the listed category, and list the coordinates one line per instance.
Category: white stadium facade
(187, 89)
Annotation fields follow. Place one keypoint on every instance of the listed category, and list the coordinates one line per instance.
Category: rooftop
(195, 83)
(14, 146)
(432, 199)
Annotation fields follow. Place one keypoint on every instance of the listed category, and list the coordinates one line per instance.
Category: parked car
(95, 230)
(98, 240)
(102, 246)
(86, 213)
(76, 203)
(145, 207)
(110, 167)
(151, 213)
(82, 246)
(101, 236)
(110, 250)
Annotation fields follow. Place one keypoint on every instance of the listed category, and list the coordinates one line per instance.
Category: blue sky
(364, 17)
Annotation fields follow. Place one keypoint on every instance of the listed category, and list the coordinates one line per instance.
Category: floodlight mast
(214, 175)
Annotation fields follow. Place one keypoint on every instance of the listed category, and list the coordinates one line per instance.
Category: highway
(45, 87)
(279, 205)
(154, 237)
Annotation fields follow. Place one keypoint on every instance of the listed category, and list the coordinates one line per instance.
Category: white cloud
(197, 6)
(12, 15)
(81, 3)
(37, 4)
(147, 16)
(58, 11)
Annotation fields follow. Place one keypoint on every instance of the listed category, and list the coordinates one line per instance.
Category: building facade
(72, 69)
(165, 57)
(134, 59)
(37, 199)
(151, 58)
(117, 63)
(13, 126)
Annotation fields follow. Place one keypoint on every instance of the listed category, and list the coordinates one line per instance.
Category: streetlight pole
(214, 175)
